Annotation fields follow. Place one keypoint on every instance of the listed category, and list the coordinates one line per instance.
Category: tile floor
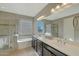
(23, 52)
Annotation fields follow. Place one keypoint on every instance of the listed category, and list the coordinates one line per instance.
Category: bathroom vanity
(51, 47)
(44, 49)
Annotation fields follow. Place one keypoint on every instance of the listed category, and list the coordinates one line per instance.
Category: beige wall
(68, 30)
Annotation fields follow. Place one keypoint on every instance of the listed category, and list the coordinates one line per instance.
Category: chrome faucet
(59, 40)
(62, 41)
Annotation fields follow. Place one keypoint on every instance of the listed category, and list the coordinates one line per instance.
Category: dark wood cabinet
(39, 47)
(45, 50)
(34, 43)
(52, 51)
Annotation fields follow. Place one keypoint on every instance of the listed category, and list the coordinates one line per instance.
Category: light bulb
(40, 17)
(57, 7)
(52, 10)
(64, 4)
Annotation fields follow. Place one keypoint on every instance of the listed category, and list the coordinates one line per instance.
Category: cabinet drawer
(54, 51)
(46, 52)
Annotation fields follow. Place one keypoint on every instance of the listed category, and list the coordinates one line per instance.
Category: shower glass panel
(4, 36)
(7, 38)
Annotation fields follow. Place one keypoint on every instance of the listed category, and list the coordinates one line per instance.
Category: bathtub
(24, 43)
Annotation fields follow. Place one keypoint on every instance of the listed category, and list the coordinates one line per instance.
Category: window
(40, 26)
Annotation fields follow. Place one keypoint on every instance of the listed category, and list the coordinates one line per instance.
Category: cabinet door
(39, 47)
(47, 53)
(52, 51)
(34, 43)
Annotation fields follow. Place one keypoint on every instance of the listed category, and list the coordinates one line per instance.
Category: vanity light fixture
(41, 17)
(63, 4)
(57, 7)
(52, 10)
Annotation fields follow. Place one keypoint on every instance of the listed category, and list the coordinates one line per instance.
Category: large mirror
(62, 23)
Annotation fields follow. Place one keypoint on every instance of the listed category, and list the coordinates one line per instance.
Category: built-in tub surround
(68, 48)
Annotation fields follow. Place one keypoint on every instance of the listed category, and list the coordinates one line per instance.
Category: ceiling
(36, 9)
(64, 12)
(28, 9)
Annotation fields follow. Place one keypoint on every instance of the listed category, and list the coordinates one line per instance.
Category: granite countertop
(69, 49)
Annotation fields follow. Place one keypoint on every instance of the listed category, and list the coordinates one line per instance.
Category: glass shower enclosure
(8, 40)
